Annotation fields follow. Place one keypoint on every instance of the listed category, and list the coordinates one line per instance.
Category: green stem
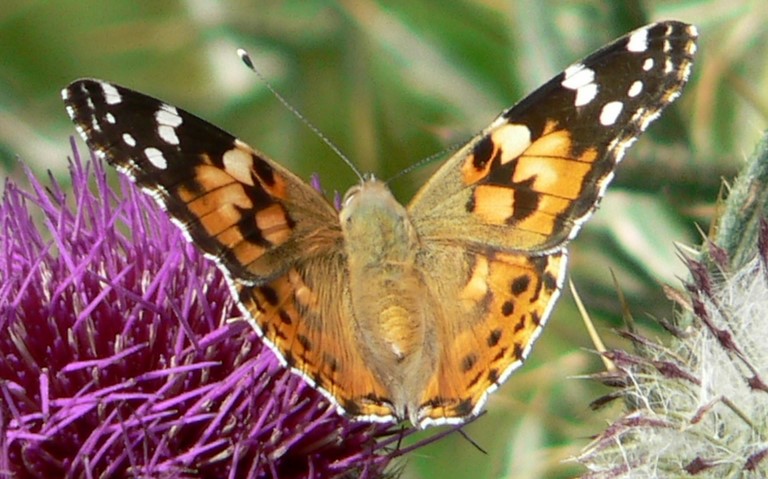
(746, 205)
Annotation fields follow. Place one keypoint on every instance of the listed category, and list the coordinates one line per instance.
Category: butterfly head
(369, 201)
(372, 221)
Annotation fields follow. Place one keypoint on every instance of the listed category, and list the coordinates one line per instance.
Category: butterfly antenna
(246, 59)
(426, 160)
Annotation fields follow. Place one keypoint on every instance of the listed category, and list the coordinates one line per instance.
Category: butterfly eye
(345, 215)
(351, 193)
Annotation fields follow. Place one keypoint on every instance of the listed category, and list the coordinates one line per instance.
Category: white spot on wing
(685, 72)
(168, 119)
(100, 153)
(168, 115)
(577, 76)
(610, 112)
(618, 146)
(691, 46)
(646, 117)
(110, 118)
(512, 139)
(635, 89)
(638, 41)
(159, 195)
(129, 140)
(585, 94)
(239, 164)
(156, 158)
(168, 134)
(80, 131)
(648, 64)
(582, 80)
(111, 95)
(184, 230)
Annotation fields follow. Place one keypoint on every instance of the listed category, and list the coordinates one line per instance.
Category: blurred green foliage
(394, 82)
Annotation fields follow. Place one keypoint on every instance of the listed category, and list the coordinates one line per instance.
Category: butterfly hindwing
(305, 316)
(494, 308)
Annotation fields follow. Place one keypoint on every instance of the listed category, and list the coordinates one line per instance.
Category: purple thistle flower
(118, 357)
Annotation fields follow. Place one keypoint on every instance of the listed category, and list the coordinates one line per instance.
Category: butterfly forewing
(239, 207)
(536, 174)
(486, 236)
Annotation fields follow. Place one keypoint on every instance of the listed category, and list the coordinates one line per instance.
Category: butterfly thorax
(386, 288)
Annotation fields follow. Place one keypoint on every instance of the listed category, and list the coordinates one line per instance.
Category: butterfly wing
(306, 315)
(507, 203)
(531, 179)
(494, 309)
(277, 239)
(242, 209)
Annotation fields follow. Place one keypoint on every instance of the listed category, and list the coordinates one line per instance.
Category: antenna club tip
(245, 58)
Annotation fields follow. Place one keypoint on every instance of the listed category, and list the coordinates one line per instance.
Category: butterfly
(396, 312)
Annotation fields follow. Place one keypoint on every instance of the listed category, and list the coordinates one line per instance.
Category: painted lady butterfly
(396, 312)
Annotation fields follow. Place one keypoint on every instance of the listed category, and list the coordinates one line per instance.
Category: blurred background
(391, 83)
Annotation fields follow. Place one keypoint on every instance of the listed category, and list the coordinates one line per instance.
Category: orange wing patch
(234, 209)
(504, 144)
(535, 190)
